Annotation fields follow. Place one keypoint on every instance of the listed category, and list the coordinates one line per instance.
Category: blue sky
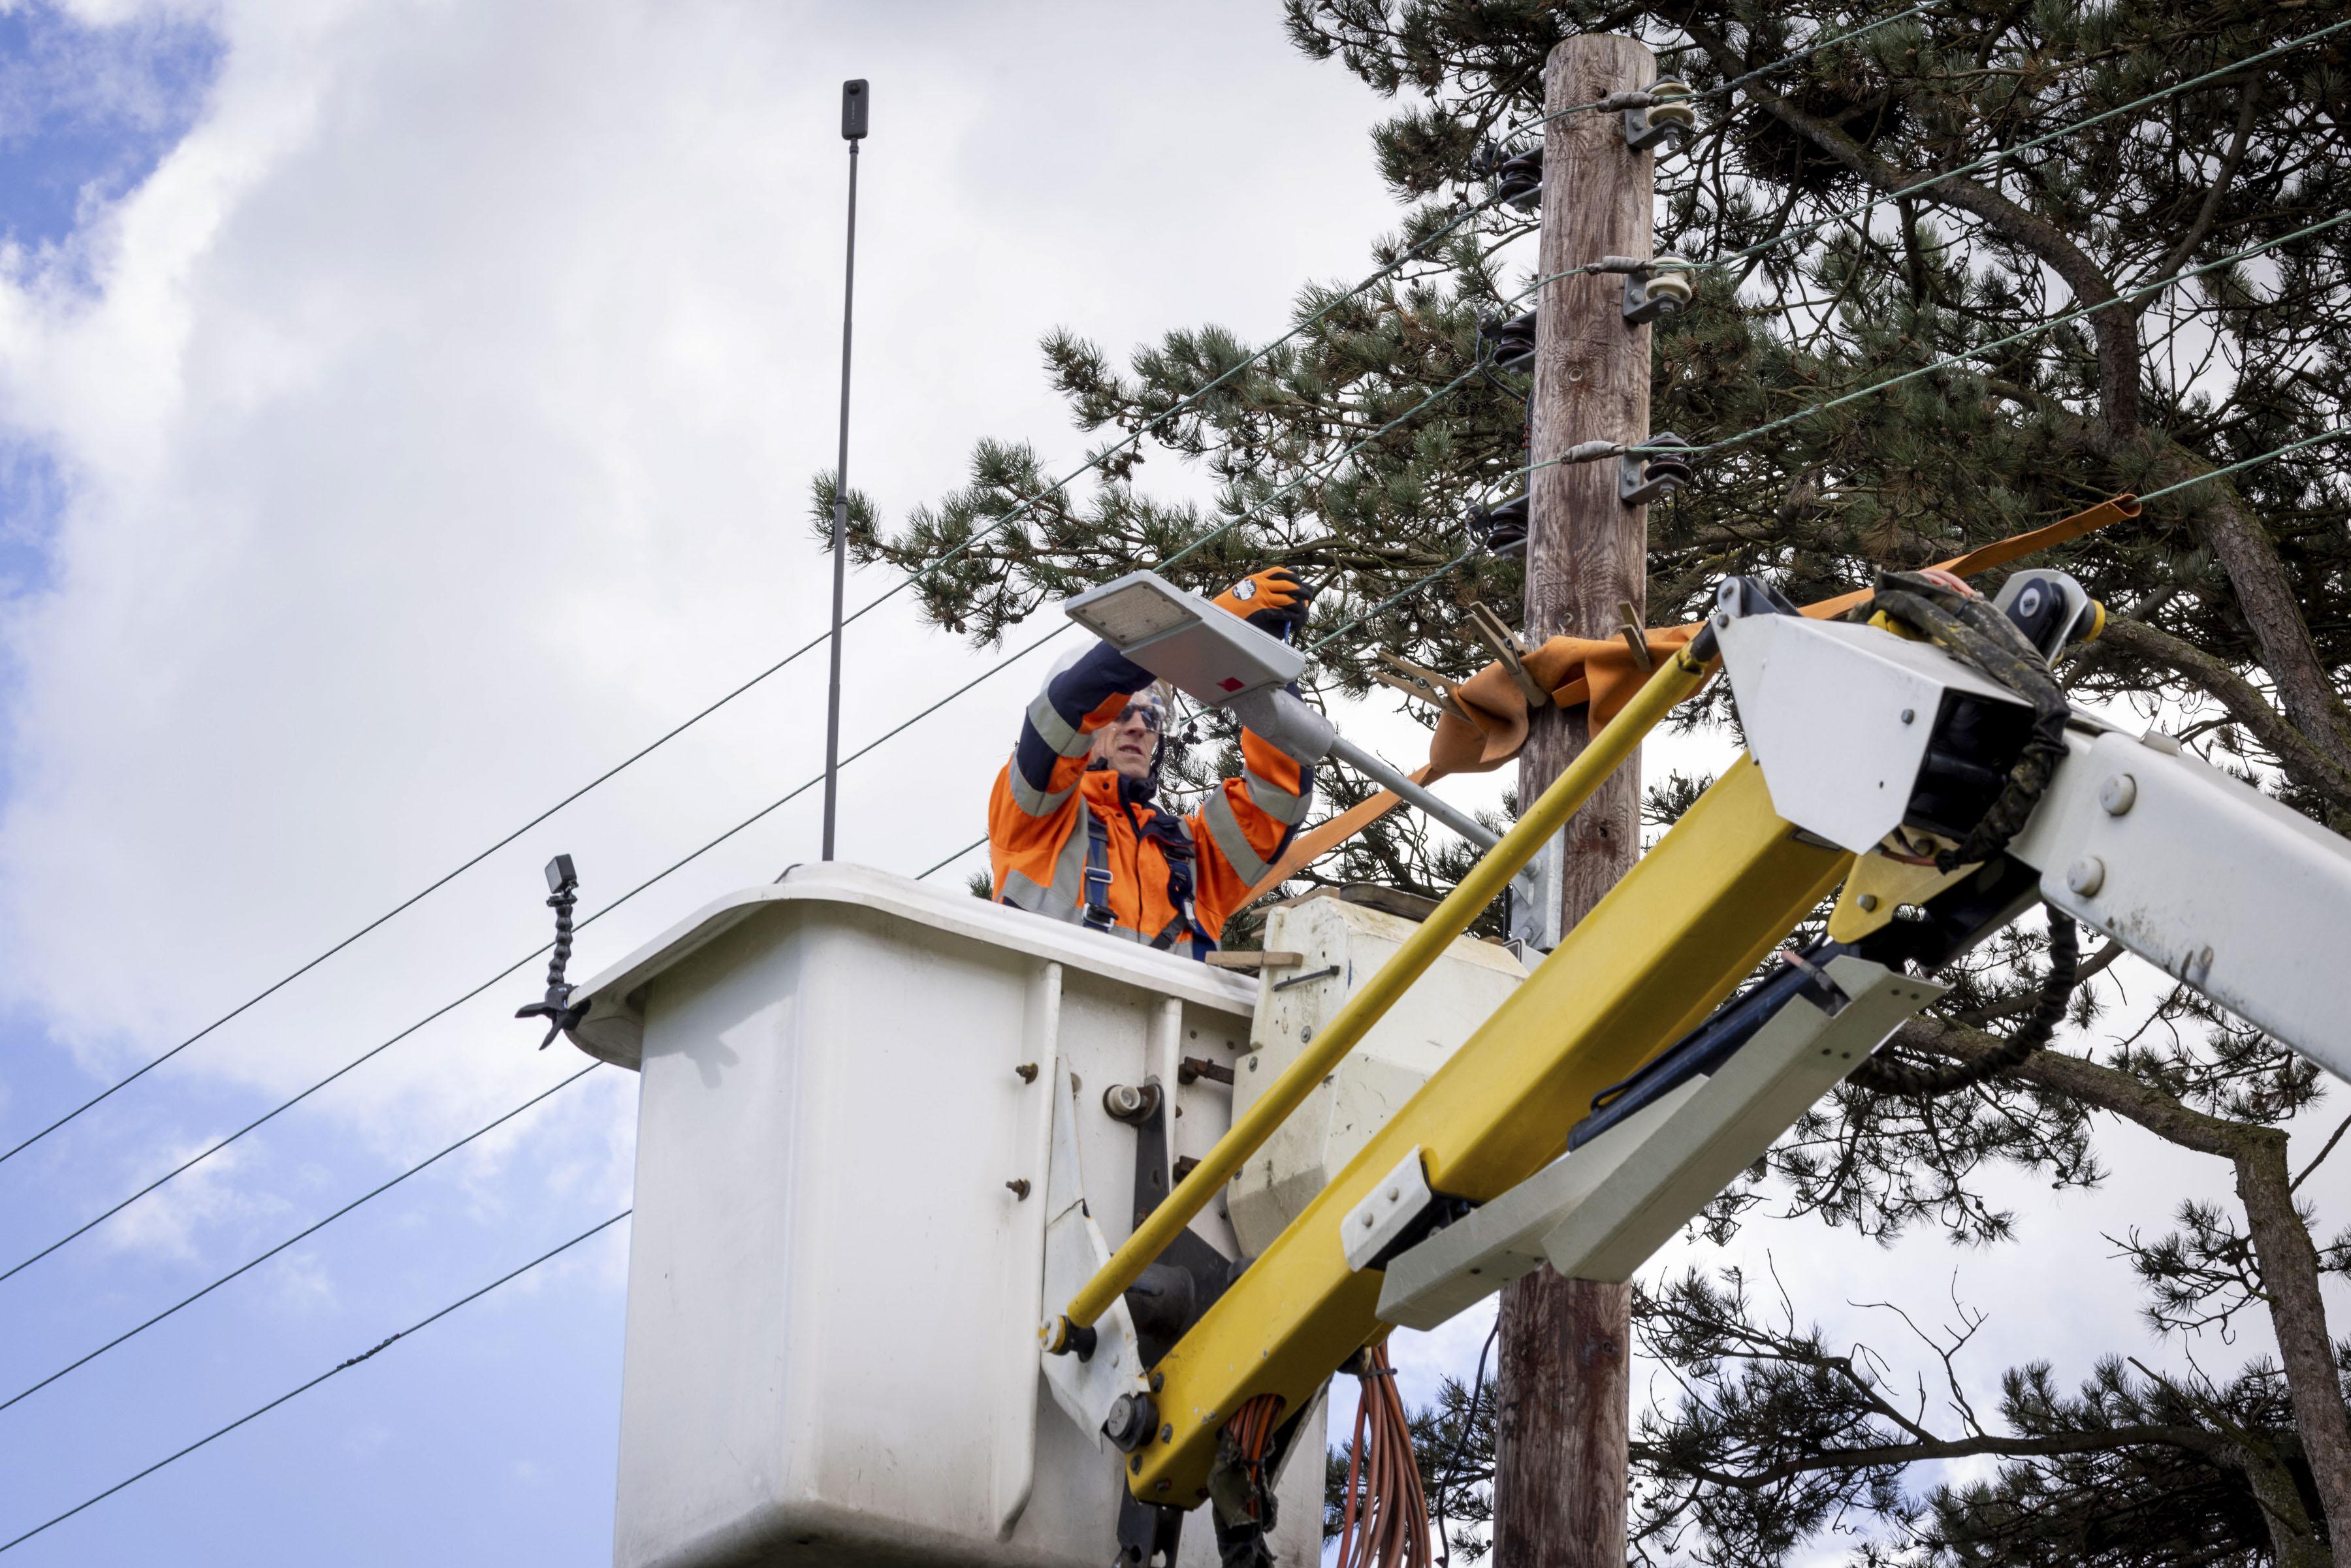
(86, 112)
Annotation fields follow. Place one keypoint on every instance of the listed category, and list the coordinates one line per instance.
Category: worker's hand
(1273, 600)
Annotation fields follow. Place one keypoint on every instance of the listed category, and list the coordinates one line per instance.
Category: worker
(1074, 829)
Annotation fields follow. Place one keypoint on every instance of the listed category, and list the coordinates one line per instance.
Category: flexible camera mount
(560, 1013)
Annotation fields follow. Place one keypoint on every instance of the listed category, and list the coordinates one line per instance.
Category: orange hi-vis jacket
(1074, 844)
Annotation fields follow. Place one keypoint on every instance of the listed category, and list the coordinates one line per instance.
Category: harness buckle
(1098, 911)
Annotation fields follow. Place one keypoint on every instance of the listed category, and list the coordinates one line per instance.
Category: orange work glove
(1273, 600)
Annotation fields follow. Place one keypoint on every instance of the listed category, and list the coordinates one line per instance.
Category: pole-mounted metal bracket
(1660, 289)
(1668, 117)
(1643, 475)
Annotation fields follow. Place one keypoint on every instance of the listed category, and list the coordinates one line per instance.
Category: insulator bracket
(1518, 182)
(1660, 288)
(1502, 527)
(1668, 117)
(1644, 476)
(1513, 339)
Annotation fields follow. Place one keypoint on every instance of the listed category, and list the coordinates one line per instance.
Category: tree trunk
(1563, 1402)
(2289, 1265)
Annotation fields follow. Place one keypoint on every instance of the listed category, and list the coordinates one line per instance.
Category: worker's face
(1128, 743)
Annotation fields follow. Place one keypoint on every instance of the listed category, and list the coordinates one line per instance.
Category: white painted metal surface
(1823, 703)
(831, 1354)
(1343, 944)
(1598, 1212)
(1385, 1214)
(2207, 878)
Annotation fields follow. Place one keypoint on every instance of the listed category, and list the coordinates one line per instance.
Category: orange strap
(1602, 675)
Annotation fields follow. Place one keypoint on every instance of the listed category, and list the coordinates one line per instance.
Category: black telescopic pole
(853, 99)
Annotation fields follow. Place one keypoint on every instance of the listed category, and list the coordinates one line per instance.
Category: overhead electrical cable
(994, 669)
(2269, 457)
(1189, 399)
(336, 1370)
(306, 1232)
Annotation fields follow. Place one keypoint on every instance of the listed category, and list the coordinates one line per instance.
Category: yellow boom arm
(1692, 919)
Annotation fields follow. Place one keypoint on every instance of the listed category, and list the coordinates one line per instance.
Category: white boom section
(2193, 870)
(1598, 1212)
(2206, 878)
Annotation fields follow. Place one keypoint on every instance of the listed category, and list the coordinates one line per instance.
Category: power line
(303, 1388)
(306, 1232)
(1190, 400)
(998, 667)
(2269, 456)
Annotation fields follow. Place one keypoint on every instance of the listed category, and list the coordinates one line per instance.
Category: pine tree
(2231, 604)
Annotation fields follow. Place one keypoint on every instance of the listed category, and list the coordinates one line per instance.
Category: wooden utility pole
(1564, 1404)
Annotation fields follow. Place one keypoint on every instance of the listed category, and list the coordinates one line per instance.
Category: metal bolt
(1167, 1435)
(1027, 1072)
(1019, 1188)
(1367, 1222)
(1867, 901)
(1908, 714)
(1394, 1195)
(2087, 875)
(1252, 1064)
(2118, 794)
(1306, 1034)
(1158, 1381)
(1122, 1100)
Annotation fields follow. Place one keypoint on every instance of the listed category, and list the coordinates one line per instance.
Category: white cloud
(438, 431)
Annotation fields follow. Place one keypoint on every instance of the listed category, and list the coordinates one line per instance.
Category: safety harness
(1176, 844)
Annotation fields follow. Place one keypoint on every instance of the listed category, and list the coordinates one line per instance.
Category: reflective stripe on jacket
(1038, 815)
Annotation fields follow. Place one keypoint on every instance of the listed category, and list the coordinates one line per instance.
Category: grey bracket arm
(1307, 735)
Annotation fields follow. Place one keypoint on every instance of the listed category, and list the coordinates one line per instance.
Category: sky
(406, 412)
